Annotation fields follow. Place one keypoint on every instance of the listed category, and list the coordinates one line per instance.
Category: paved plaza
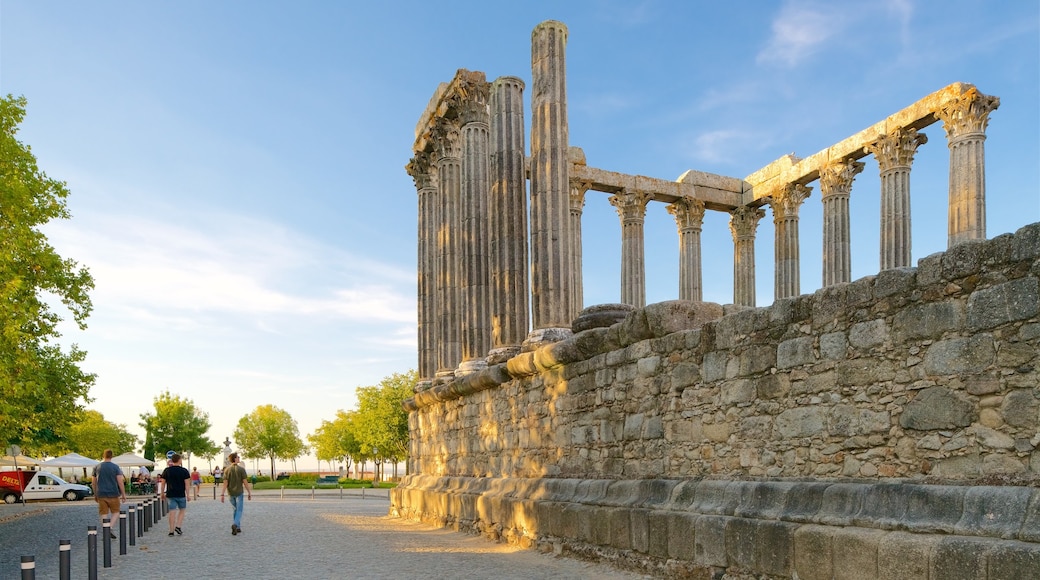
(297, 536)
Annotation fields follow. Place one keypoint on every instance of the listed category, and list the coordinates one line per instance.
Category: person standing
(235, 481)
(196, 482)
(109, 489)
(173, 484)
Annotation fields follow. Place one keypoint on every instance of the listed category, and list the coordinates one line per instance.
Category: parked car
(28, 485)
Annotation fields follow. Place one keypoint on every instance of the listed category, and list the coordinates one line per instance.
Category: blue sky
(237, 177)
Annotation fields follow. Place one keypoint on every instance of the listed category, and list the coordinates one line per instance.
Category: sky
(237, 168)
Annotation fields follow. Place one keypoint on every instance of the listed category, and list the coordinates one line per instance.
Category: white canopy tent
(70, 460)
(131, 460)
(18, 461)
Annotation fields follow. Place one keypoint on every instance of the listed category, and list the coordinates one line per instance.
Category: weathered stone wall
(927, 371)
(901, 386)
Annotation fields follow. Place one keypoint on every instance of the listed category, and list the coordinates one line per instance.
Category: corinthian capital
(630, 204)
(788, 200)
(836, 177)
(966, 114)
(469, 95)
(577, 195)
(423, 170)
(445, 139)
(897, 149)
(743, 222)
(688, 212)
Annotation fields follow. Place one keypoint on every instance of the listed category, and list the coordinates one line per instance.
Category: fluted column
(424, 173)
(508, 220)
(689, 215)
(895, 154)
(835, 187)
(743, 222)
(475, 291)
(965, 119)
(449, 169)
(785, 205)
(631, 208)
(577, 206)
(551, 295)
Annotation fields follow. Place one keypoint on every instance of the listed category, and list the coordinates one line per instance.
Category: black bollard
(91, 552)
(147, 514)
(122, 533)
(132, 519)
(28, 568)
(156, 510)
(106, 542)
(140, 520)
(64, 559)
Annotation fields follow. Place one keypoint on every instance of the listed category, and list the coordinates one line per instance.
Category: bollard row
(133, 522)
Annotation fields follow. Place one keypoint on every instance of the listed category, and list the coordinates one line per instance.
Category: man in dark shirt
(174, 484)
(108, 489)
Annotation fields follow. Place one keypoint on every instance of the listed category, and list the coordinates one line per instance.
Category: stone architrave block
(961, 558)
(813, 552)
(994, 511)
(856, 553)
(1003, 303)
(1014, 560)
(710, 541)
(682, 531)
(937, 408)
(906, 556)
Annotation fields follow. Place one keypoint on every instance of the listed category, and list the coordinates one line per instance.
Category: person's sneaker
(170, 534)
(239, 528)
(178, 530)
(234, 530)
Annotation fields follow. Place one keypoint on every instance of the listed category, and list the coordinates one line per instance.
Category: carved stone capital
(967, 114)
(577, 194)
(836, 178)
(423, 170)
(897, 149)
(743, 222)
(445, 139)
(631, 204)
(688, 212)
(788, 200)
(468, 97)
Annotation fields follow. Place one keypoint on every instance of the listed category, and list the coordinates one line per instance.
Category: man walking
(234, 482)
(109, 489)
(174, 490)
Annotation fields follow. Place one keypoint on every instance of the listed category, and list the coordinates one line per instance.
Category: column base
(544, 336)
(423, 384)
(501, 354)
(468, 367)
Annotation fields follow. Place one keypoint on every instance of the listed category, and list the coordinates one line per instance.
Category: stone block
(884, 506)
(1021, 408)
(849, 421)
(996, 511)
(865, 335)
(657, 533)
(1030, 531)
(929, 269)
(756, 359)
(829, 304)
(742, 543)
(934, 509)
(928, 320)
(1025, 245)
(1015, 300)
(856, 553)
(841, 502)
(800, 422)
(795, 352)
(584, 520)
(937, 408)
(714, 366)
(813, 552)
(775, 542)
(803, 501)
(712, 498)
(895, 282)
(623, 493)
(656, 493)
(682, 531)
(963, 260)
(763, 499)
(664, 318)
(620, 522)
(640, 530)
(961, 558)
(833, 346)
(1014, 560)
(906, 556)
(709, 541)
(737, 391)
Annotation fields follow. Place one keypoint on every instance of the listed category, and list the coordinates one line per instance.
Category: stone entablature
(919, 372)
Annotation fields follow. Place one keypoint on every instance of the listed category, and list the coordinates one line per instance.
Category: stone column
(508, 220)
(965, 119)
(449, 170)
(785, 205)
(577, 206)
(631, 208)
(424, 173)
(835, 187)
(689, 215)
(551, 297)
(895, 153)
(475, 291)
(743, 222)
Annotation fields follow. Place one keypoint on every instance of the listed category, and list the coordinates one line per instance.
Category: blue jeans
(238, 502)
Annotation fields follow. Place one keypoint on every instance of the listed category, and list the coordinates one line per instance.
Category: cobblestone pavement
(324, 537)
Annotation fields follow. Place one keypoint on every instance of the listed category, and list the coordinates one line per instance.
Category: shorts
(177, 503)
(196, 483)
(108, 505)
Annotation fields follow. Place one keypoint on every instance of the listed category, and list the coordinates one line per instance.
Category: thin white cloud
(723, 146)
(799, 31)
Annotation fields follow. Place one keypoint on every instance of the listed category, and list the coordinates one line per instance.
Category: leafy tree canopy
(269, 432)
(178, 425)
(42, 387)
(90, 435)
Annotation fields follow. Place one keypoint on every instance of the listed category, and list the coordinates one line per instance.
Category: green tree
(92, 434)
(337, 439)
(42, 387)
(269, 432)
(178, 425)
(382, 423)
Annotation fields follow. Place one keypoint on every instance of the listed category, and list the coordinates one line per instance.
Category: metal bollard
(362, 492)
(122, 533)
(140, 519)
(64, 559)
(132, 519)
(28, 568)
(147, 514)
(312, 492)
(92, 552)
(214, 491)
(282, 494)
(106, 542)
(157, 510)
(340, 491)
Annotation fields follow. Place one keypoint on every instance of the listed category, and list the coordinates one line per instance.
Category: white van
(30, 485)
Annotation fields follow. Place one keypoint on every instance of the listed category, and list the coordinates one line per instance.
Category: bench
(332, 479)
